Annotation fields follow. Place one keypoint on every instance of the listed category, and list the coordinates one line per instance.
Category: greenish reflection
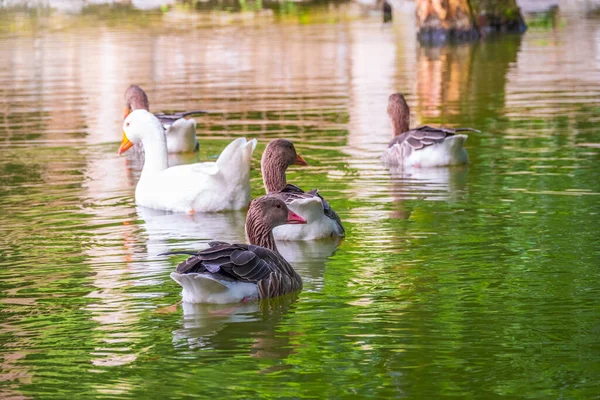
(477, 282)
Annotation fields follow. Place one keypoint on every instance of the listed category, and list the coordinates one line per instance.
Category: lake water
(475, 282)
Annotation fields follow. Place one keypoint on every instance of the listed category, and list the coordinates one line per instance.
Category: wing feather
(423, 136)
(168, 119)
(247, 263)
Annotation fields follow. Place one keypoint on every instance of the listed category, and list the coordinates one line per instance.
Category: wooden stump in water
(440, 21)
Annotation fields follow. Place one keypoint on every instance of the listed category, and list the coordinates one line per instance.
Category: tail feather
(193, 112)
(251, 145)
(213, 288)
(229, 151)
(198, 287)
(234, 162)
(308, 207)
(456, 141)
(188, 253)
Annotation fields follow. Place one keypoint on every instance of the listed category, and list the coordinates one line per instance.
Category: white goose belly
(206, 288)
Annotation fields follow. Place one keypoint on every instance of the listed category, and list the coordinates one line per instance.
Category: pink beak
(294, 218)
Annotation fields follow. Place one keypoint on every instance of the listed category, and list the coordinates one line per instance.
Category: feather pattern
(229, 273)
(167, 119)
(272, 274)
(424, 136)
(322, 221)
(428, 146)
(424, 146)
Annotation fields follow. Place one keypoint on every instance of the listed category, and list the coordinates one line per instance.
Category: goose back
(427, 146)
(272, 274)
(291, 193)
(168, 119)
(424, 136)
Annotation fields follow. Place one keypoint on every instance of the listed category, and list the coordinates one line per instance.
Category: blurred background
(477, 282)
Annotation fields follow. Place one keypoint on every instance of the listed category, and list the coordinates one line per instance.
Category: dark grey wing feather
(398, 139)
(424, 136)
(242, 257)
(215, 243)
(168, 119)
(246, 263)
(467, 130)
(332, 215)
(416, 144)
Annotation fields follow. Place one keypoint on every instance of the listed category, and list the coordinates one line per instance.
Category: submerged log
(440, 21)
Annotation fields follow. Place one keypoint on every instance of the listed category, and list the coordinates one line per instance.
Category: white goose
(423, 146)
(233, 273)
(322, 221)
(205, 187)
(180, 131)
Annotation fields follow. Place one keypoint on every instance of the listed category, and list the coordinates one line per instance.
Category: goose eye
(127, 124)
(278, 205)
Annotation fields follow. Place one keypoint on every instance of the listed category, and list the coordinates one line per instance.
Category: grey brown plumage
(256, 263)
(407, 142)
(273, 275)
(276, 159)
(424, 136)
(168, 119)
(136, 98)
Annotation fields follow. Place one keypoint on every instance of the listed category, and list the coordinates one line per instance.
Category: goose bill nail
(300, 160)
(125, 144)
(294, 218)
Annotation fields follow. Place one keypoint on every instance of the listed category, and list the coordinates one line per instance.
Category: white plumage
(204, 187)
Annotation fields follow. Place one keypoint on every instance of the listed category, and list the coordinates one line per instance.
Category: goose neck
(155, 155)
(273, 171)
(260, 233)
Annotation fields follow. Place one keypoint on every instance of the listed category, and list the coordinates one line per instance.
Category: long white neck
(155, 154)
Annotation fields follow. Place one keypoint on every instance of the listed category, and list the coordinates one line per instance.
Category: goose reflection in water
(173, 231)
(169, 231)
(431, 184)
(308, 258)
(218, 326)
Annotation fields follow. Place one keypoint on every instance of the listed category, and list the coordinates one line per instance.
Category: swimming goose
(232, 273)
(181, 132)
(206, 187)
(322, 221)
(424, 146)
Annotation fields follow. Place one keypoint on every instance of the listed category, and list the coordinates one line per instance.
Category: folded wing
(273, 275)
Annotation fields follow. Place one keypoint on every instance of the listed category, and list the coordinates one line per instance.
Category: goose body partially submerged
(424, 146)
(322, 220)
(180, 130)
(205, 187)
(233, 273)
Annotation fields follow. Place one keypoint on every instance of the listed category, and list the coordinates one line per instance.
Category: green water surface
(474, 282)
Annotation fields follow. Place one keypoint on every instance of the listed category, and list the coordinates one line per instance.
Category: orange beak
(300, 161)
(125, 144)
(127, 112)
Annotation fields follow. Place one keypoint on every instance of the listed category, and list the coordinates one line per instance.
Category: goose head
(399, 113)
(264, 214)
(276, 159)
(142, 126)
(135, 99)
